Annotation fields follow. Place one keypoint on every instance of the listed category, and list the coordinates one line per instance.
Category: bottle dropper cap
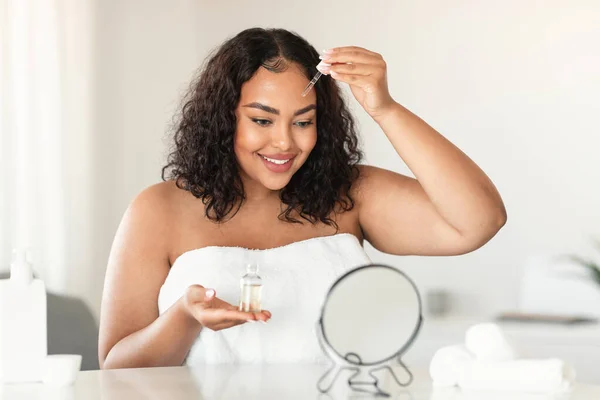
(252, 268)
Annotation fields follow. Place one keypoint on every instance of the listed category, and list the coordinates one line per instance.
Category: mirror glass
(371, 314)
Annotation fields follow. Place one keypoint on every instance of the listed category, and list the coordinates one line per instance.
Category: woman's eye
(261, 122)
(303, 124)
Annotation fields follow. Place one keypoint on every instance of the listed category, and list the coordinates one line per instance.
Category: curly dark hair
(202, 160)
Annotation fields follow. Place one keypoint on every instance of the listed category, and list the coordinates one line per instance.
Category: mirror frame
(353, 360)
(404, 347)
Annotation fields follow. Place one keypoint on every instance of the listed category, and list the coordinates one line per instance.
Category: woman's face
(276, 126)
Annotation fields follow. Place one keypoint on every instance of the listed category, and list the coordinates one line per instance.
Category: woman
(260, 174)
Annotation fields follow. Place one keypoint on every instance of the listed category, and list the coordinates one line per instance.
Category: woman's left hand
(365, 72)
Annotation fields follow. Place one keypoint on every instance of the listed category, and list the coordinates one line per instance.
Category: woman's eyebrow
(263, 107)
(275, 111)
(305, 109)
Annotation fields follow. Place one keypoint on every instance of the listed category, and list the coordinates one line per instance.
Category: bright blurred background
(89, 89)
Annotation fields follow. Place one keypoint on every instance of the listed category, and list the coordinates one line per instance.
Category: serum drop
(251, 288)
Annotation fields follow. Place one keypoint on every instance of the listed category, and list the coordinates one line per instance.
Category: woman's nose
(282, 138)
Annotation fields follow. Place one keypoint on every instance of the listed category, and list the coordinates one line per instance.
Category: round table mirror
(370, 317)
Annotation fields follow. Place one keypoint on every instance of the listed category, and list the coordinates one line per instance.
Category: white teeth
(278, 162)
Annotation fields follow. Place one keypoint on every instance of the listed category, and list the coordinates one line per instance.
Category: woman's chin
(276, 183)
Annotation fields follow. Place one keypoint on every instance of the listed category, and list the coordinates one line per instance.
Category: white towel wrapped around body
(549, 375)
(488, 343)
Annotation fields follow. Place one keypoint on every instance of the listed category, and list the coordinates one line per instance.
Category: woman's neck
(256, 192)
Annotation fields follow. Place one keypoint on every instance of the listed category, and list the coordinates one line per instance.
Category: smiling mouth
(274, 161)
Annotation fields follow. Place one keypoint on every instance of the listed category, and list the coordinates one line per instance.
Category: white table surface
(244, 382)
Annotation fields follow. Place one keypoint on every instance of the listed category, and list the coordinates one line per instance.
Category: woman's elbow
(489, 223)
(106, 361)
(501, 217)
(103, 361)
(483, 232)
(489, 226)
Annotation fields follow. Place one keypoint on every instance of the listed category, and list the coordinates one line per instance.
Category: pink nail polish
(324, 68)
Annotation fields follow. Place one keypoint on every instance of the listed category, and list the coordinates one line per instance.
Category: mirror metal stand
(353, 363)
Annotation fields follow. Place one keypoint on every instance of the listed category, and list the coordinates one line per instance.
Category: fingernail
(210, 293)
(264, 322)
(328, 51)
(323, 68)
(251, 320)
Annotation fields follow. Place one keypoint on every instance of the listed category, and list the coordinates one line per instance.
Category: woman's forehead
(279, 89)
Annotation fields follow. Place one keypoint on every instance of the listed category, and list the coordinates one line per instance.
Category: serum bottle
(251, 287)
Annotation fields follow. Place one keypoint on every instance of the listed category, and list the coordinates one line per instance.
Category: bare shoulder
(158, 195)
(154, 212)
(171, 217)
(369, 172)
(159, 201)
(374, 178)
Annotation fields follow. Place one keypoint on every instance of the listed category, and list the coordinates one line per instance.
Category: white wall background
(46, 112)
(515, 84)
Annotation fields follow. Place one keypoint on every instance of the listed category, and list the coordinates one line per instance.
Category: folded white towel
(488, 343)
(550, 375)
(488, 362)
(447, 364)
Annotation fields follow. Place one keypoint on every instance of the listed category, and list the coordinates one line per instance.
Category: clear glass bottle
(251, 288)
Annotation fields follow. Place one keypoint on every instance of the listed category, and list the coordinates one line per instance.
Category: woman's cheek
(307, 141)
(249, 139)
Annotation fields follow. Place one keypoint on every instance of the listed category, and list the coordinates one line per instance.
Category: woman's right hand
(214, 313)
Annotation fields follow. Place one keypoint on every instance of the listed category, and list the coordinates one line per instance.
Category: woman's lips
(278, 163)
